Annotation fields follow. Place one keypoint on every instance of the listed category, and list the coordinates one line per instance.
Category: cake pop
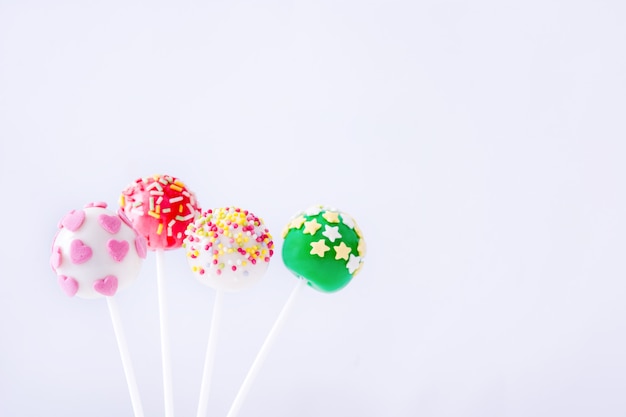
(323, 246)
(95, 253)
(160, 207)
(228, 248)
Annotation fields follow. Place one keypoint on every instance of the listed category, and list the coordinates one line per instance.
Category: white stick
(209, 359)
(267, 344)
(126, 363)
(165, 337)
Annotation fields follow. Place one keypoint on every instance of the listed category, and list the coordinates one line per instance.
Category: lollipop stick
(126, 363)
(165, 337)
(209, 359)
(267, 344)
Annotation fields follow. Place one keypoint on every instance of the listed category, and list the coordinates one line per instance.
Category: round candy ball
(96, 252)
(228, 248)
(323, 246)
(160, 208)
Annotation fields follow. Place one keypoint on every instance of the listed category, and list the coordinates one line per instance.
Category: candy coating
(324, 246)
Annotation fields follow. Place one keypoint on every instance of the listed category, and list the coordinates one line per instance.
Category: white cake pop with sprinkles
(228, 248)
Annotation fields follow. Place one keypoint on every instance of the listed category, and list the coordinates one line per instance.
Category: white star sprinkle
(313, 211)
(332, 233)
(353, 263)
(347, 220)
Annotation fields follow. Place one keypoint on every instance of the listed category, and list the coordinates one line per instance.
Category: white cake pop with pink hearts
(96, 252)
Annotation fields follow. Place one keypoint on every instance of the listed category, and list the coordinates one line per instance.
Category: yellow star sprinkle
(342, 251)
(311, 227)
(297, 222)
(319, 248)
(361, 247)
(331, 217)
(358, 269)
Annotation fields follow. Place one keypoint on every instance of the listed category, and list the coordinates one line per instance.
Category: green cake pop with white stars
(324, 246)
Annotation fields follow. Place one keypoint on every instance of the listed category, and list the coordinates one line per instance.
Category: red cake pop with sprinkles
(160, 207)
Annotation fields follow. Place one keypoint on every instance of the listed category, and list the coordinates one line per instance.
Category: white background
(480, 146)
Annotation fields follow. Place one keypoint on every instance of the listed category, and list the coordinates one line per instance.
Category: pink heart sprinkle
(68, 285)
(111, 224)
(124, 217)
(79, 252)
(55, 259)
(140, 245)
(106, 286)
(73, 220)
(117, 249)
(100, 204)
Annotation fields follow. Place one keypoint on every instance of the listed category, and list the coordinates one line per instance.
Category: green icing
(325, 274)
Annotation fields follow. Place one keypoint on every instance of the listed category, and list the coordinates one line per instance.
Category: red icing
(106, 286)
(160, 208)
(73, 220)
(111, 224)
(79, 252)
(117, 249)
(68, 285)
